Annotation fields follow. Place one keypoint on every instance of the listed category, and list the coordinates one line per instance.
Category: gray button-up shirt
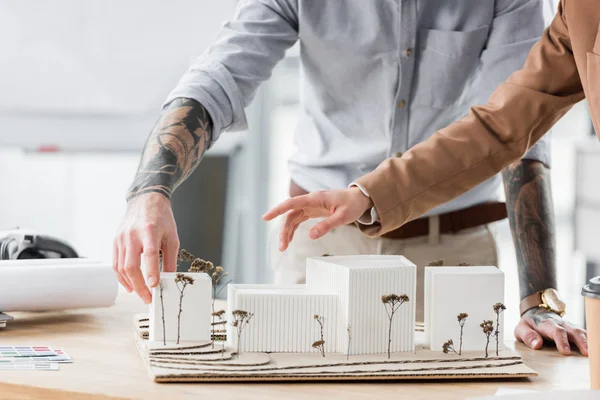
(378, 76)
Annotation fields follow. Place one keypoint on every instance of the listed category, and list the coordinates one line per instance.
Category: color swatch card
(450, 291)
(33, 351)
(29, 366)
(51, 359)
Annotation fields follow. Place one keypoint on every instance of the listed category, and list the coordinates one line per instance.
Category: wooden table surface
(107, 365)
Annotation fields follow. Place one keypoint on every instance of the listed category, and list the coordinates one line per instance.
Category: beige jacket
(562, 69)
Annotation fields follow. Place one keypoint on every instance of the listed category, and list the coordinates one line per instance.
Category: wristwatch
(548, 299)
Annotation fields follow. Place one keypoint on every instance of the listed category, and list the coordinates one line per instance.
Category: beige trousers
(475, 246)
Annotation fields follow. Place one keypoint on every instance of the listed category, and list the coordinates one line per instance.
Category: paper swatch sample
(43, 285)
(181, 310)
(450, 291)
(29, 366)
(283, 319)
(360, 282)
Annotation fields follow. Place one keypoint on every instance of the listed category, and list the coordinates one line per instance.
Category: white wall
(93, 74)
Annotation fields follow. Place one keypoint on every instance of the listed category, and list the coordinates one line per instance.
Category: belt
(452, 222)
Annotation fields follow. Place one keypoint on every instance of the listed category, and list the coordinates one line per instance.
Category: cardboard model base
(205, 363)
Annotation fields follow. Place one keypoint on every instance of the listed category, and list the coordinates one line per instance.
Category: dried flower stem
(184, 280)
(391, 303)
(498, 309)
(448, 347)
(241, 319)
(462, 320)
(321, 321)
(162, 305)
(349, 330)
(488, 329)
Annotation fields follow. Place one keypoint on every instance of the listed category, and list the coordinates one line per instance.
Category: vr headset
(22, 245)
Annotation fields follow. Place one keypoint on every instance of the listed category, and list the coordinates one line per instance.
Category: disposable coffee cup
(591, 292)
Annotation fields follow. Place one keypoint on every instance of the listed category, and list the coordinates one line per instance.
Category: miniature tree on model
(216, 273)
(392, 303)
(161, 287)
(488, 329)
(241, 319)
(462, 320)
(219, 314)
(498, 309)
(448, 347)
(349, 330)
(181, 281)
(320, 344)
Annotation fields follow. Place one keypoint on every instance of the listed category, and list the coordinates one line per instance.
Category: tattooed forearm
(174, 148)
(531, 216)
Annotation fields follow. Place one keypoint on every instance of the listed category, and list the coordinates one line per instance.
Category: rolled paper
(45, 285)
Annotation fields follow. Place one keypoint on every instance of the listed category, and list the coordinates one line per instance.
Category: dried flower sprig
(463, 264)
(349, 330)
(448, 347)
(498, 309)
(488, 328)
(326, 255)
(161, 287)
(320, 345)
(436, 263)
(181, 281)
(462, 320)
(216, 273)
(321, 321)
(391, 303)
(240, 321)
(219, 314)
(185, 255)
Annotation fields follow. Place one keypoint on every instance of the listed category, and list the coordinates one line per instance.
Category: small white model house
(194, 301)
(346, 291)
(360, 282)
(450, 291)
(283, 319)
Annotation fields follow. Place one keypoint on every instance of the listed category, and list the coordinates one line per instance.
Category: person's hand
(341, 207)
(148, 229)
(538, 324)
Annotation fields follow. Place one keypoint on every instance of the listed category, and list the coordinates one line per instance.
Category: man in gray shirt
(378, 77)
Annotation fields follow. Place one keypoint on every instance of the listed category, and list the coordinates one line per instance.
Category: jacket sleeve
(457, 158)
(225, 78)
(517, 25)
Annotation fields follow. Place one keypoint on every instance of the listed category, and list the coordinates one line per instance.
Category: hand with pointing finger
(148, 229)
(338, 207)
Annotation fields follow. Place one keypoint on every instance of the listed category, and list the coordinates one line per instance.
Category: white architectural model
(283, 318)
(193, 323)
(340, 305)
(450, 291)
(346, 291)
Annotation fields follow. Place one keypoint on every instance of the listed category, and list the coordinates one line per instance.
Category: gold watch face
(552, 300)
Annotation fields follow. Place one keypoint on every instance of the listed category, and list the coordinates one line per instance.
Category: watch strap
(529, 302)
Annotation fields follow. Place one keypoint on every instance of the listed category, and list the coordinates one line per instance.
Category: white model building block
(450, 291)
(283, 319)
(195, 306)
(360, 281)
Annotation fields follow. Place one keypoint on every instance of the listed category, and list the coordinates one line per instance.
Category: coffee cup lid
(592, 289)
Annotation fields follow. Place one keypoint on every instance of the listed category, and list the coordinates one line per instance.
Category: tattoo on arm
(173, 149)
(531, 216)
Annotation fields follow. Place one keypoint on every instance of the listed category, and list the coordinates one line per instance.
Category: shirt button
(408, 52)
(401, 104)
(398, 154)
